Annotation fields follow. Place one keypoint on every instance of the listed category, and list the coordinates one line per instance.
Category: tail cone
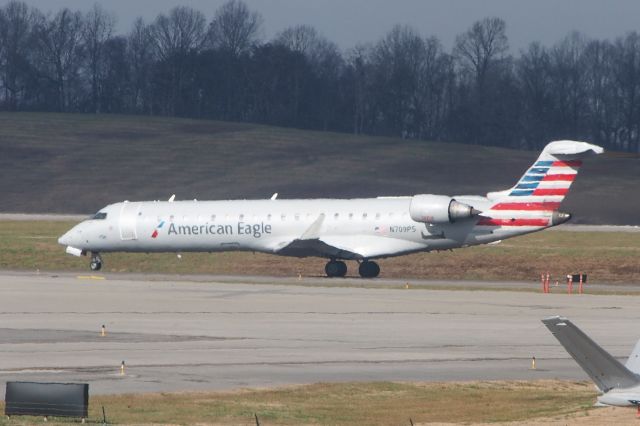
(559, 218)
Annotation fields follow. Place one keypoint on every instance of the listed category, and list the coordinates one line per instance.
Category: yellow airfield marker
(90, 277)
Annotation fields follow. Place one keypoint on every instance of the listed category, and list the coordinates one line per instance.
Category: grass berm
(376, 403)
(78, 163)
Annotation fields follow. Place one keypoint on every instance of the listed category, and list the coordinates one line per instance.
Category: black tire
(95, 265)
(369, 269)
(343, 269)
(333, 269)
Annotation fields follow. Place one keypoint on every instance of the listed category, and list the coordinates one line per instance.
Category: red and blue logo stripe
(529, 185)
(156, 231)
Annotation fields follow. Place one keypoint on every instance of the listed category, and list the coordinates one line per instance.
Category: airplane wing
(349, 247)
(606, 371)
(354, 247)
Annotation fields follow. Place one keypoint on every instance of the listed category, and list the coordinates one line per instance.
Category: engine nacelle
(429, 208)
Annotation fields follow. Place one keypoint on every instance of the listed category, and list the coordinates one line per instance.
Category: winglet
(173, 197)
(313, 231)
(274, 196)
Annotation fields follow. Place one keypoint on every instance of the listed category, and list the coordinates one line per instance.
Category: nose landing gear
(96, 262)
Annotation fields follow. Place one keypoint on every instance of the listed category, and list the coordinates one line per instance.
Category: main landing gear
(369, 269)
(337, 268)
(96, 262)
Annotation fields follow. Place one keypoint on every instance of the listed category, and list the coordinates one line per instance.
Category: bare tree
(534, 79)
(140, 59)
(359, 71)
(235, 29)
(435, 84)
(178, 33)
(480, 52)
(302, 39)
(175, 37)
(17, 22)
(97, 30)
(60, 43)
(323, 58)
(625, 70)
(481, 45)
(398, 60)
(568, 86)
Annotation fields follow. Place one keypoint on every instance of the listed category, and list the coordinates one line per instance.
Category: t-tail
(535, 200)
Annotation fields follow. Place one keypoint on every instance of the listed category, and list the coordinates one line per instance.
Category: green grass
(379, 403)
(75, 163)
(605, 257)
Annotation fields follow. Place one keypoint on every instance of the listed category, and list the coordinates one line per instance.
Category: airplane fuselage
(270, 225)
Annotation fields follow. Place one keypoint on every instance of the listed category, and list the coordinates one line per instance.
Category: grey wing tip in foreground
(606, 371)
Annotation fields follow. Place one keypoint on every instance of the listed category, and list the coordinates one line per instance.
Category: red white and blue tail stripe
(539, 192)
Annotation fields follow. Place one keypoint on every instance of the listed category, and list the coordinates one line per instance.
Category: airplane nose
(64, 239)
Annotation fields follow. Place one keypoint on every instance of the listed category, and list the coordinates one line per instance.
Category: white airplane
(357, 229)
(619, 384)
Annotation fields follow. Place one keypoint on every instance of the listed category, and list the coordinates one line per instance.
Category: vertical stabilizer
(606, 371)
(549, 178)
(535, 199)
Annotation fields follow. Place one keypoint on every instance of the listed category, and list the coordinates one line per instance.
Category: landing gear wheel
(369, 269)
(335, 268)
(96, 262)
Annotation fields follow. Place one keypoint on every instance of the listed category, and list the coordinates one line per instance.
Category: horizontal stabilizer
(570, 150)
(606, 371)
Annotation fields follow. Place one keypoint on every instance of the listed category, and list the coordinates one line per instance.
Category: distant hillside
(78, 163)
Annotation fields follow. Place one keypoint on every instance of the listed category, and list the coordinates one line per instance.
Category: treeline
(182, 64)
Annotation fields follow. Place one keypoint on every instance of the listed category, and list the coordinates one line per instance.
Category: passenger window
(336, 216)
(241, 217)
(269, 216)
(377, 215)
(297, 216)
(283, 217)
(350, 215)
(213, 217)
(364, 215)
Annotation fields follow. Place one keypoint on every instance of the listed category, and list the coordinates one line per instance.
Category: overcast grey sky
(348, 22)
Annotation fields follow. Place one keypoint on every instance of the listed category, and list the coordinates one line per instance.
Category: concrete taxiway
(177, 334)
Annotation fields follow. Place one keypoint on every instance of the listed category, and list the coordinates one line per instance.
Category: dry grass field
(378, 403)
(75, 163)
(608, 257)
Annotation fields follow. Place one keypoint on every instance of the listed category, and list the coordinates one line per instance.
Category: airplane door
(129, 220)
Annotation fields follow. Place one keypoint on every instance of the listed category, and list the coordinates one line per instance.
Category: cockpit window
(99, 216)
